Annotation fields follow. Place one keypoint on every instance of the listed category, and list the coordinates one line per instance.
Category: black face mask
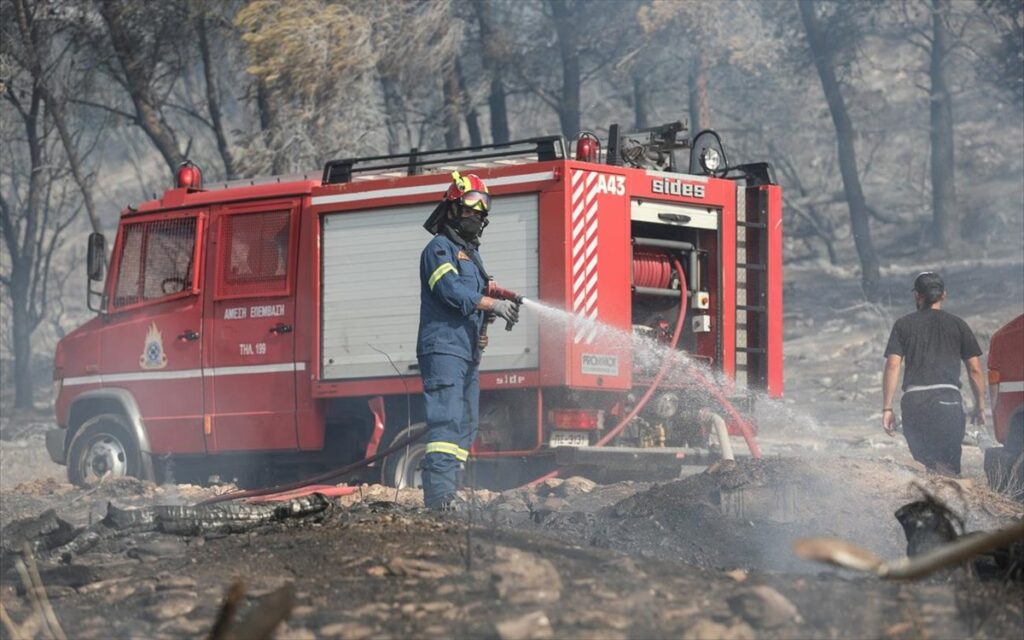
(469, 227)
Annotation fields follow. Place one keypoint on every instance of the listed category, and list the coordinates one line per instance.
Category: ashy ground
(706, 556)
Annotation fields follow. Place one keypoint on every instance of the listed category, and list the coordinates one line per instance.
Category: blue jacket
(452, 281)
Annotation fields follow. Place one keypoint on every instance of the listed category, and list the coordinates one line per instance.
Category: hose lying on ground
(721, 430)
(414, 434)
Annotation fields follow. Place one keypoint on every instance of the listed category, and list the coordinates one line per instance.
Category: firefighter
(452, 311)
(933, 343)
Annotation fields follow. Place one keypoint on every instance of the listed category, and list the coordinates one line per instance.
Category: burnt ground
(705, 556)
(567, 559)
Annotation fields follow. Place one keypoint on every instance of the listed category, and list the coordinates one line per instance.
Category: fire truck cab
(271, 325)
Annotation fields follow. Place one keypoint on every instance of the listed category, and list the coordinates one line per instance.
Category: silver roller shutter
(371, 287)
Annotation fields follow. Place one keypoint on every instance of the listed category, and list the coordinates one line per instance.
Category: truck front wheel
(103, 448)
(401, 469)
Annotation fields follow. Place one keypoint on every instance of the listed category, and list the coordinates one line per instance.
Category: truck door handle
(674, 217)
(188, 336)
(280, 328)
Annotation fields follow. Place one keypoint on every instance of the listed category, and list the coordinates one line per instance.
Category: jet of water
(683, 368)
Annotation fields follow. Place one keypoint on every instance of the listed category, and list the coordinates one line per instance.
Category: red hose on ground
(415, 434)
(326, 490)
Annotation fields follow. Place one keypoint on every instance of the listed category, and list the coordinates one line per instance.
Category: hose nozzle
(500, 293)
(494, 291)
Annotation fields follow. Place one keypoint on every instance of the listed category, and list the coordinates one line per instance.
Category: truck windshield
(156, 260)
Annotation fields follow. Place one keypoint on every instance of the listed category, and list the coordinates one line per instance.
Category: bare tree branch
(131, 117)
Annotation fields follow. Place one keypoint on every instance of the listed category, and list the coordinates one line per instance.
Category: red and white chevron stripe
(584, 254)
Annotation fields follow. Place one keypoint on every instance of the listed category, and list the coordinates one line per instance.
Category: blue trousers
(451, 394)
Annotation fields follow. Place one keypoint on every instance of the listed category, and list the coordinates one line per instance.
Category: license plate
(570, 439)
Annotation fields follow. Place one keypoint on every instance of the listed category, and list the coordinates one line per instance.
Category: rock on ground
(523, 578)
(532, 626)
(764, 607)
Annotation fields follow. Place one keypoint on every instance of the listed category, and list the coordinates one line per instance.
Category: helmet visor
(477, 201)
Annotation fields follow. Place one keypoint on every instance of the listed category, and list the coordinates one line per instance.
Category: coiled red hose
(652, 268)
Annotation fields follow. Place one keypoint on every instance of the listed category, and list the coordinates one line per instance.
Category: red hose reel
(652, 268)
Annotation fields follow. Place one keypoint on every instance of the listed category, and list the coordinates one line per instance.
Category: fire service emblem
(153, 356)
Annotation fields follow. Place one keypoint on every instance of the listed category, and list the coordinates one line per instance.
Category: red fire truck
(1004, 465)
(271, 324)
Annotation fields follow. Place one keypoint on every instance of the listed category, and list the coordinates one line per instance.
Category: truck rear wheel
(401, 469)
(103, 448)
(1005, 471)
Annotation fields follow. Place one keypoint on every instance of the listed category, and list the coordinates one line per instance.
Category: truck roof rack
(412, 163)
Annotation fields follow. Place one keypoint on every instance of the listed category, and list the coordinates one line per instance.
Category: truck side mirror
(97, 256)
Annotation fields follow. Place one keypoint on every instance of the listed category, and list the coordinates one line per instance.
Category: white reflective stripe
(185, 373)
(256, 368)
(929, 387)
(427, 188)
(1011, 387)
(70, 382)
(132, 377)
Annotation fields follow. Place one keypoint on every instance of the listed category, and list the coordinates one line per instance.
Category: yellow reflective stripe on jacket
(450, 448)
(439, 273)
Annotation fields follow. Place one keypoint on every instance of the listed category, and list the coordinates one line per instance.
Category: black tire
(1005, 471)
(401, 469)
(104, 446)
(1015, 435)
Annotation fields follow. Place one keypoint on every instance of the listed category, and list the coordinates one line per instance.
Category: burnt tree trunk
(498, 109)
(394, 115)
(134, 62)
(823, 55)
(941, 130)
(473, 127)
(700, 112)
(471, 115)
(568, 49)
(21, 335)
(452, 105)
(492, 61)
(268, 127)
(213, 96)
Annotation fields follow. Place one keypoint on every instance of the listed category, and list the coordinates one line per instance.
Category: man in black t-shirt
(933, 343)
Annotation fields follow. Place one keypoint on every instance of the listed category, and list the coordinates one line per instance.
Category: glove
(507, 311)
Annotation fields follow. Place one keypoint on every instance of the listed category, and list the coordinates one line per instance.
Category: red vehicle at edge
(1006, 390)
(252, 327)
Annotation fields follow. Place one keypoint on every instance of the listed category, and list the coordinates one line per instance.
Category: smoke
(774, 501)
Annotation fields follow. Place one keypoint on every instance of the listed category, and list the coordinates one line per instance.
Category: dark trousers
(934, 424)
(451, 394)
